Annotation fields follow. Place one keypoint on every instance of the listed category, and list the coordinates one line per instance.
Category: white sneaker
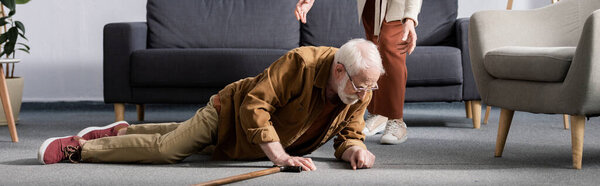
(374, 124)
(395, 132)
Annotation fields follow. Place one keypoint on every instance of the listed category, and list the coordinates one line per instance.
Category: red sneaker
(100, 132)
(57, 149)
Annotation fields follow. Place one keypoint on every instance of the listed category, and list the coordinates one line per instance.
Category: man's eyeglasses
(359, 89)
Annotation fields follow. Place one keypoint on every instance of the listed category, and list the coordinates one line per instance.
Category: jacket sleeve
(351, 134)
(399, 10)
(412, 9)
(276, 86)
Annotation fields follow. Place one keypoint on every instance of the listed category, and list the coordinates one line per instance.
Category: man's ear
(339, 70)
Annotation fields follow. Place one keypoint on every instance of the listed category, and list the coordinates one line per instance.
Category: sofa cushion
(547, 64)
(198, 67)
(331, 23)
(436, 21)
(222, 24)
(434, 66)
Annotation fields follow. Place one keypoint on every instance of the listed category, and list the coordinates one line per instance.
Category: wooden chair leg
(487, 114)
(140, 111)
(119, 111)
(577, 140)
(476, 111)
(506, 117)
(8, 112)
(566, 120)
(468, 109)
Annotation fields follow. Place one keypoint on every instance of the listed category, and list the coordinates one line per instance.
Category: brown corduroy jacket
(280, 104)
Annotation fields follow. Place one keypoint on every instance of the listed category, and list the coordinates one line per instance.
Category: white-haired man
(300, 102)
(391, 25)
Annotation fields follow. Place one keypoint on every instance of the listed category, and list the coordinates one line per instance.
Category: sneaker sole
(42, 149)
(378, 129)
(393, 142)
(90, 129)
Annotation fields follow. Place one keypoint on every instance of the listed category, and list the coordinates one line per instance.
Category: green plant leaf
(23, 36)
(3, 21)
(10, 4)
(3, 38)
(20, 26)
(13, 33)
(9, 48)
(12, 12)
(21, 1)
(23, 44)
(24, 50)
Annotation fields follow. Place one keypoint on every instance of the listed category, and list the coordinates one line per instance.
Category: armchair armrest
(462, 40)
(120, 40)
(581, 88)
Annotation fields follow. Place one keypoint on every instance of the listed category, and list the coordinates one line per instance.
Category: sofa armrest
(462, 42)
(120, 40)
(581, 88)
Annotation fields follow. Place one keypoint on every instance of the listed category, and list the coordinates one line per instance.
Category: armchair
(544, 60)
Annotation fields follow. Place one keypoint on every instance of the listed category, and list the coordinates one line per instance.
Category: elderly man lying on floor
(300, 102)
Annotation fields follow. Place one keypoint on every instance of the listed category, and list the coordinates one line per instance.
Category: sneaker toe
(45, 153)
(391, 139)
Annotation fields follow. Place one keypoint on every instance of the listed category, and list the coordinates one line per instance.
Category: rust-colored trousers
(388, 101)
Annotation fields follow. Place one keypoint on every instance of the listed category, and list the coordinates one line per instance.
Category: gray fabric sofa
(189, 49)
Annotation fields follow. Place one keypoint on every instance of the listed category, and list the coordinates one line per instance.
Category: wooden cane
(251, 175)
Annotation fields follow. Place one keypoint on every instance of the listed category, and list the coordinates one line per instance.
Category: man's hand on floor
(287, 160)
(278, 156)
(359, 157)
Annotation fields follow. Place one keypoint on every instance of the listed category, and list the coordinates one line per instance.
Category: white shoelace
(393, 127)
(369, 116)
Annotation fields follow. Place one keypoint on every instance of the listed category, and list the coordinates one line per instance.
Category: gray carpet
(442, 149)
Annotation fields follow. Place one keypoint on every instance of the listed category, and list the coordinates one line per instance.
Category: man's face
(353, 88)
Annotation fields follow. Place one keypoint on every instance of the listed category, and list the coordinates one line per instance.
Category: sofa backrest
(333, 22)
(436, 21)
(272, 24)
(222, 24)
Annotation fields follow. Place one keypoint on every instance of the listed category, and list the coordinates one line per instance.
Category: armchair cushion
(545, 64)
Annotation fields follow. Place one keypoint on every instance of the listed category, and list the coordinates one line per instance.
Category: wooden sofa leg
(577, 139)
(566, 120)
(119, 111)
(476, 111)
(506, 117)
(140, 111)
(487, 114)
(468, 109)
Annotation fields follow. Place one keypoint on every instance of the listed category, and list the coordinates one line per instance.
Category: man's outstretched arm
(349, 141)
(278, 156)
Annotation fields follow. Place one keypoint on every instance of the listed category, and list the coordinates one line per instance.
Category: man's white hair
(359, 54)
